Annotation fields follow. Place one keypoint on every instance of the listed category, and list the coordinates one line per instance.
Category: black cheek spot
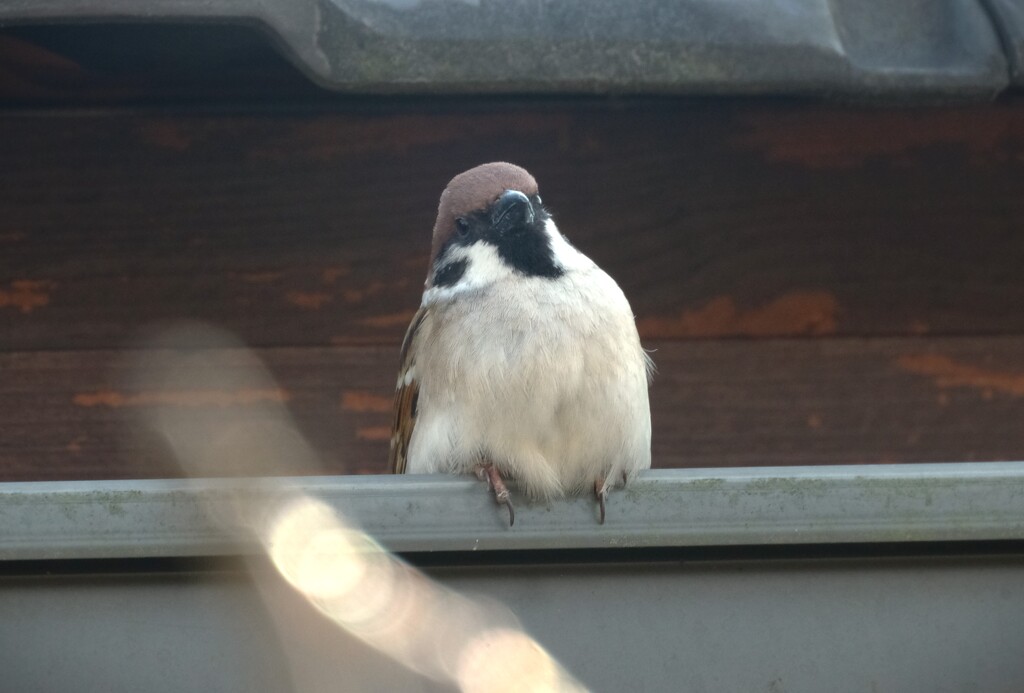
(415, 403)
(450, 274)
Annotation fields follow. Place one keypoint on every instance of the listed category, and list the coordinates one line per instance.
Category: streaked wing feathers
(406, 396)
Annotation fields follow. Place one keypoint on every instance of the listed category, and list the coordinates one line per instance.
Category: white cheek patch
(483, 267)
(565, 255)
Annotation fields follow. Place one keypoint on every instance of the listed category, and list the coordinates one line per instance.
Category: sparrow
(523, 361)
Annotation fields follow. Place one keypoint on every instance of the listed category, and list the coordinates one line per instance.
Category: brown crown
(473, 191)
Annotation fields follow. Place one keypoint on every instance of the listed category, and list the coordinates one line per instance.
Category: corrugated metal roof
(918, 49)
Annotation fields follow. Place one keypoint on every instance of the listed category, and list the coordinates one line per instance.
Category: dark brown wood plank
(70, 415)
(719, 218)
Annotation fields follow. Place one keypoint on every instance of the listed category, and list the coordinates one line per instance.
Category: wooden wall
(821, 284)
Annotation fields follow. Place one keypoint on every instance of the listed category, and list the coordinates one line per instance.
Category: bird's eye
(462, 227)
(536, 198)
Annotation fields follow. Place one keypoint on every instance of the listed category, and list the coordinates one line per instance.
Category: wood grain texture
(71, 415)
(870, 262)
(719, 218)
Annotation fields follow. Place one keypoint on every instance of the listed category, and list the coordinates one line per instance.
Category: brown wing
(406, 397)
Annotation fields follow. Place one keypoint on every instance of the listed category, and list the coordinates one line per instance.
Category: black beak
(513, 209)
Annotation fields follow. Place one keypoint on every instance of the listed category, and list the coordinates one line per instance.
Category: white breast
(543, 377)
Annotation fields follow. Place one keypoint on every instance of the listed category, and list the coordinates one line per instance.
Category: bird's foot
(601, 491)
(489, 473)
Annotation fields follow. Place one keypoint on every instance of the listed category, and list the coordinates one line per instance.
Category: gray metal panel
(910, 624)
(870, 626)
(697, 507)
(863, 48)
(1008, 16)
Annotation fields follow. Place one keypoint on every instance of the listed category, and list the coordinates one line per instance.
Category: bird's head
(491, 224)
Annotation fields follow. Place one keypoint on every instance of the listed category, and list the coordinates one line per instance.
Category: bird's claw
(601, 491)
(505, 499)
(497, 484)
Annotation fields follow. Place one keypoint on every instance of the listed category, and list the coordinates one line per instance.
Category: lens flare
(348, 577)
